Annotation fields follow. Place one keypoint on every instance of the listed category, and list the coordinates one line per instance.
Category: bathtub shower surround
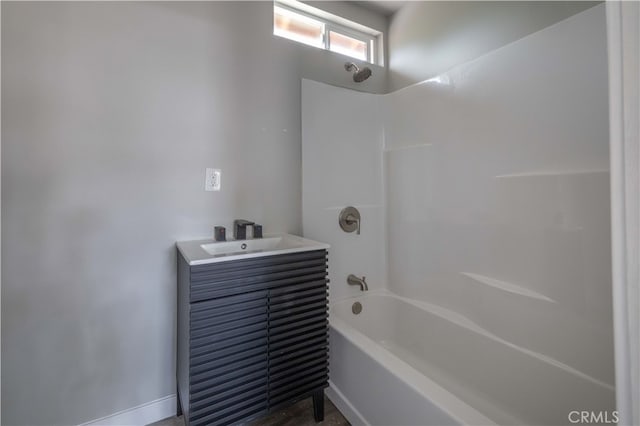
(495, 233)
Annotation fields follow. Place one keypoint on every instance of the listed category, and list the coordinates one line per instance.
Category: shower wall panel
(342, 166)
(498, 193)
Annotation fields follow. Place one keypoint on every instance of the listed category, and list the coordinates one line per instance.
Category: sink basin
(200, 252)
(243, 246)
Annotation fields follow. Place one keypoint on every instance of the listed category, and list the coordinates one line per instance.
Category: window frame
(370, 39)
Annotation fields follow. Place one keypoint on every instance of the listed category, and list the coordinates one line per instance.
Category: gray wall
(110, 114)
(427, 38)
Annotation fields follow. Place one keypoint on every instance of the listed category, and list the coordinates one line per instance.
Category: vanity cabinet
(252, 336)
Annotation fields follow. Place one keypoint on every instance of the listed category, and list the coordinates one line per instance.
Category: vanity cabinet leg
(178, 405)
(318, 405)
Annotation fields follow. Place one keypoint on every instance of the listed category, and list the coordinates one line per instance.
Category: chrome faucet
(353, 280)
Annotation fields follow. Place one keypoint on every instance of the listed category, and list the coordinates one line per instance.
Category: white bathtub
(401, 362)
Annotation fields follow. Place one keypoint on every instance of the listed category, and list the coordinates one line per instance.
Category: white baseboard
(143, 414)
(345, 407)
(162, 408)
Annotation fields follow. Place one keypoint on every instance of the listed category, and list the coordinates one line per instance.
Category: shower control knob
(349, 220)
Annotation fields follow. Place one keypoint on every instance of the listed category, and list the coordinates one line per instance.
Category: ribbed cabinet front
(252, 336)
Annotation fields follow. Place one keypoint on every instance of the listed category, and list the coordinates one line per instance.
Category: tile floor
(300, 414)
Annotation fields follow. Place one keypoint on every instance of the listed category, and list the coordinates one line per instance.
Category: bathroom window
(304, 24)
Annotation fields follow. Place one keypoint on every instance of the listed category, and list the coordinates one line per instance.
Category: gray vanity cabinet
(252, 336)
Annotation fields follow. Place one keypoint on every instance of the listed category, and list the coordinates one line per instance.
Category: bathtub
(402, 362)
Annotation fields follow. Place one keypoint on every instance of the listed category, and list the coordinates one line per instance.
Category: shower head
(359, 75)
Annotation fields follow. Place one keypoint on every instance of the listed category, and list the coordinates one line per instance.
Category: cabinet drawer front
(214, 289)
(254, 275)
(254, 266)
(235, 277)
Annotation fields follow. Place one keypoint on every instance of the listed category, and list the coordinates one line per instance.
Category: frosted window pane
(297, 27)
(346, 45)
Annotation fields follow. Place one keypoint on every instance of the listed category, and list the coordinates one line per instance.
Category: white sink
(208, 251)
(243, 246)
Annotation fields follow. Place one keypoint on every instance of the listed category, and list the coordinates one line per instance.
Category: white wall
(0, 225)
(111, 112)
(342, 166)
(427, 38)
(623, 42)
(503, 213)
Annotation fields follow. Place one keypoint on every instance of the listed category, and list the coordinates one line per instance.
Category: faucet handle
(220, 233)
(349, 220)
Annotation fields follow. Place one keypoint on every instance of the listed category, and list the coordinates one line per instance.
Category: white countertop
(200, 252)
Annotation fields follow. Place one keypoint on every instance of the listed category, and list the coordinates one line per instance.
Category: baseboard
(141, 415)
(345, 407)
(162, 408)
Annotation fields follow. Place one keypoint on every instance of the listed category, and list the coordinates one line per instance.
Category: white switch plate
(212, 179)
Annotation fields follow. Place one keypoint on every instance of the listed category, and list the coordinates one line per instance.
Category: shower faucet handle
(349, 220)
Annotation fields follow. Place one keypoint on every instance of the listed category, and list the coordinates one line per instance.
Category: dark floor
(300, 414)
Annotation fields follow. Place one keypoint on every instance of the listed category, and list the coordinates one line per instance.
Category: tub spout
(353, 280)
